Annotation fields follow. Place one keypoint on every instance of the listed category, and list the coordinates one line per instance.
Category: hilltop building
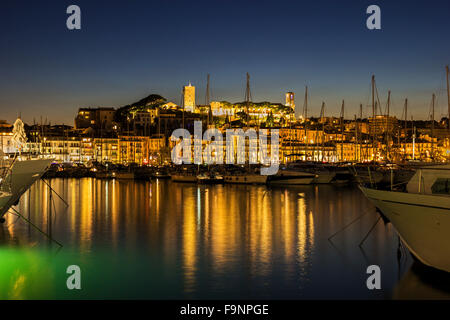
(96, 118)
(189, 98)
(290, 100)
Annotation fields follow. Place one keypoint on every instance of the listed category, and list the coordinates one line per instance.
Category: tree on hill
(150, 102)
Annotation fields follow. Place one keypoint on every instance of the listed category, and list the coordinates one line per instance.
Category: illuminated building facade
(189, 98)
(290, 100)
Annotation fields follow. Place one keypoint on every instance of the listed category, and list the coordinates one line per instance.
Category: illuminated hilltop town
(140, 133)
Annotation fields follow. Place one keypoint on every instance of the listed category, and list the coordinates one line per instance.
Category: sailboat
(249, 176)
(209, 177)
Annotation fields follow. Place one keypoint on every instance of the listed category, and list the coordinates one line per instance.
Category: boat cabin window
(441, 186)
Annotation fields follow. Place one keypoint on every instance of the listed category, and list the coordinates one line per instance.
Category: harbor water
(167, 240)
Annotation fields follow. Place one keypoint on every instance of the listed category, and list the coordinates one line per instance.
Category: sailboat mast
(359, 128)
(306, 120)
(373, 111)
(207, 90)
(406, 126)
(356, 139)
(406, 115)
(388, 102)
(387, 124)
(306, 103)
(373, 96)
(432, 126)
(322, 119)
(448, 96)
(207, 101)
(342, 130)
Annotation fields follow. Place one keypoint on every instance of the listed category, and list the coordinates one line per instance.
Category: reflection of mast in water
(305, 231)
(189, 241)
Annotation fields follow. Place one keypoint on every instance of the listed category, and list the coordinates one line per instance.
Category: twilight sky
(129, 49)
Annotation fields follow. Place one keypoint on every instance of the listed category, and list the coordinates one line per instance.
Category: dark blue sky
(129, 49)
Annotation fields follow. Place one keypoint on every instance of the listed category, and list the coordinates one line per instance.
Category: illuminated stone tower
(290, 102)
(189, 98)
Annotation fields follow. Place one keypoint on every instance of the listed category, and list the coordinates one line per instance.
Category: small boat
(104, 175)
(342, 178)
(209, 178)
(324, 174)
(245, 179)
(184, 178)
(324, 177)
(421, 215)
(291, 177)
(124, 175)
(160, 174)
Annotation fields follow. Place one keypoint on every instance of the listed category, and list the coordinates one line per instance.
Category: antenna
(248, 97)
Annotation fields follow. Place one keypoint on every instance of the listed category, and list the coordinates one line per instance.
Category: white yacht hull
(24, 174)
(422, 222)
(287, 177)
(4, 199)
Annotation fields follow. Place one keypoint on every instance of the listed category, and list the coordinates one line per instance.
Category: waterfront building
(62, 149)
(156, 143)
(133, 149)
(382, 124)
(290, 152)
(259, 113)
(357, 152)
(189, 98)
(106, 150)
(86, 149)
(419, 149)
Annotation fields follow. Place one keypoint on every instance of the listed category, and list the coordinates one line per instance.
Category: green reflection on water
(41, 274)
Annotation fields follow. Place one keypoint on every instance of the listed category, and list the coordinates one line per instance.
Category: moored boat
(209, 178)
(421, 215)
(23, 174)
(125, 175)
(291, 177)
(184, 178)
(4, 199)
(245, 179)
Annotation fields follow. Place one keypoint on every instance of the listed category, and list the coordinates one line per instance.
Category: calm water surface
(165, 240)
